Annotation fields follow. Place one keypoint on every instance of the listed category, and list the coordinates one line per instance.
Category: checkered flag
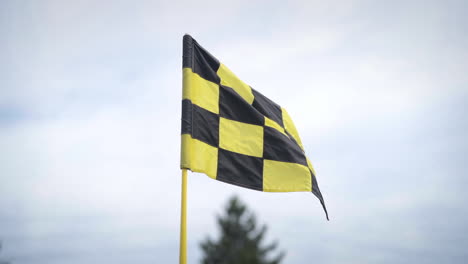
(234, 134)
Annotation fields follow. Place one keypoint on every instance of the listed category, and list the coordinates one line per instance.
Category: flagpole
(183, 220)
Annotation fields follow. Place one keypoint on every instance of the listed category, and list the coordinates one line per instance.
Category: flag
(233, 133)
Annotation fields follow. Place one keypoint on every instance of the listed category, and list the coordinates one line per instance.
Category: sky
(90, 99)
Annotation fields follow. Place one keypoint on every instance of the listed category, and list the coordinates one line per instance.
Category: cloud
(89, 125)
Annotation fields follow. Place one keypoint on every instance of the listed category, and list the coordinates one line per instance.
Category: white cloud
(96, 157)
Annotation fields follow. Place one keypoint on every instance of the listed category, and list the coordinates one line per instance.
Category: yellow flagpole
(183, 220)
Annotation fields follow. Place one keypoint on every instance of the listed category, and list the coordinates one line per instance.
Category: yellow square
(200, 91)
(286, 177)
(199, 156)
(229, 79)
(240, 137)
(273, 124)
(290, 127)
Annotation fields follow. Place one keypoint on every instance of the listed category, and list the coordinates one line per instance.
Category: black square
(292, 138)
(233, 106)
(186, 117)
(267, 107)
(279, 147)
(205, 126)
(205, 64)
(238, 169)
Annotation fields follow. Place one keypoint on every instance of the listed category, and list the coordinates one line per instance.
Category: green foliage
(240, 240)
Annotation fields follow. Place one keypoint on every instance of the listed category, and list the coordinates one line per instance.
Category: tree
(240, 240)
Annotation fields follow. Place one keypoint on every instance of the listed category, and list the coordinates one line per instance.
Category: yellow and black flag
(234, 134)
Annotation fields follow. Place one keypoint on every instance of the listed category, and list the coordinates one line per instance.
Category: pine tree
(240, 240)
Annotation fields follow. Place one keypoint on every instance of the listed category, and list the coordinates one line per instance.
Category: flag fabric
(233, 133)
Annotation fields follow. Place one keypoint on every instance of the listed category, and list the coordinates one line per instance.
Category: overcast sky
(90, 99)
